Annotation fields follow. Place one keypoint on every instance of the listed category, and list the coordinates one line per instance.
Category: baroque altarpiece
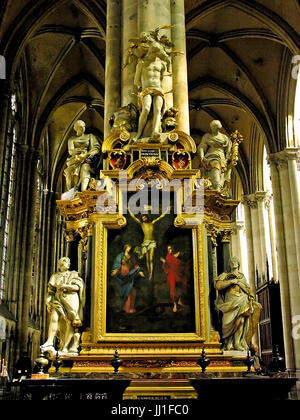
(147, 231)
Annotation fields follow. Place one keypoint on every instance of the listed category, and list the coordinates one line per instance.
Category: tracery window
(7, 195)
(269, 219)
(36, 247)
(297, 114)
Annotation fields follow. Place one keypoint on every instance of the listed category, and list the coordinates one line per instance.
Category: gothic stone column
(268, 203)
(5, 94)
(180, 78)
(147, 15)
(236, 242)
(113, 62)
(129, 31)
(28, 200)
(152, 14)
(258, 228)
(250, 245)
(284, 183)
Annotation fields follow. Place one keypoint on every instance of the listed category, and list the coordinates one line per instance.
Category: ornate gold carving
(181, 160)
(213, 232)
(150, 363)
(179, 221)
(147, 363)
(173, 137)
(124, 136)
(152, 350)
(70, 235)
(92, 184)
(84, 233)
(113, 139)
(226, 235)
(86, 337)
(186, 141)
(91, 363)
(151, 162)
(220, 206)
(236, 138)
(82, 212)
(122, 222)
(100, 291)
(207, 183)
(214, 336)
(117, 159)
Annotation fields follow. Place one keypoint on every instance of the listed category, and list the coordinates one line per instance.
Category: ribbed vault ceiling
(238, 55)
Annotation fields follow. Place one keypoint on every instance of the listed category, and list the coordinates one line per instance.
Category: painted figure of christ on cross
(148, 245)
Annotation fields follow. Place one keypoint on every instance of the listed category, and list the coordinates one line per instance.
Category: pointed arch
(60, 157)
(253, 8)
(56, 99)
(30, 19)
(236, 95)
(215, 39)
(242, 66)
(59, 60)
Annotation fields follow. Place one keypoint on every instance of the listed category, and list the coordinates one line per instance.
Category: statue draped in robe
(240, 310)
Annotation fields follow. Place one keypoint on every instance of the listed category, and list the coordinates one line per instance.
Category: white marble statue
(65, 302)
(240, 310)
(215, 151)
(153, 55)
(80, 165)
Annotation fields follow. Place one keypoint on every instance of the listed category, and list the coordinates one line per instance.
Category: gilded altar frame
(99, 312)
(83, 221)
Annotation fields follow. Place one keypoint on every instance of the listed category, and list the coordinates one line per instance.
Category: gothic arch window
(269, 218)
(33, 309)
(297, 113)
(241, 232)
(8, 188)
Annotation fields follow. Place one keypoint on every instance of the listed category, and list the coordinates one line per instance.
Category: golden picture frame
(102, 224)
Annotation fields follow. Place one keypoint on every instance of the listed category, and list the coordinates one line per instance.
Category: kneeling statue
(240, 310)
(65, 302)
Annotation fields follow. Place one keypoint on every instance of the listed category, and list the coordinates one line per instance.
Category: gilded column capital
(226, 235)
(70, 235)
(213, 232)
